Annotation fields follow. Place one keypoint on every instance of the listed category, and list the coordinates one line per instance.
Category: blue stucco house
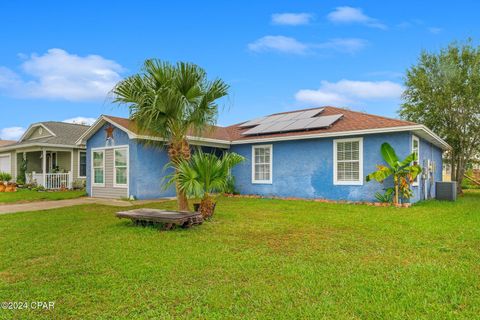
(319, 153)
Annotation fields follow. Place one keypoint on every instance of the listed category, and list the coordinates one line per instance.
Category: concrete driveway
(46, 205)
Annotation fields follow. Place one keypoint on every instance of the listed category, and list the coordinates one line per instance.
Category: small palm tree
(403, 172)
(171, 101)
(203, 175)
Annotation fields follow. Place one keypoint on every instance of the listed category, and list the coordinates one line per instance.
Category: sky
(60, 59)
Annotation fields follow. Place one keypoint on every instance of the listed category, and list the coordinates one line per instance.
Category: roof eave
(436, 139)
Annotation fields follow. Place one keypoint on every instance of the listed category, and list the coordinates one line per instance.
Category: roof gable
(37, 131)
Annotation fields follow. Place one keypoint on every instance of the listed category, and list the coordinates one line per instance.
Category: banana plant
(403, 172)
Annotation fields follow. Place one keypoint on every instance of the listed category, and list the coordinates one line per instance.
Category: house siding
(146, 168)
(13, 158)
(428, 151)
(109, 191)
(304, 168)
(64, 160)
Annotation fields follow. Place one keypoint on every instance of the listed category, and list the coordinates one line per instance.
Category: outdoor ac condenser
(446, 191)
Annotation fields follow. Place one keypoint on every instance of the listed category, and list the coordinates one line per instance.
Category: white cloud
(58, 74)
(289, 45)
(435, 30)
(278, 43)
(349, 45)
(81, 120)
(13, 133)
(291, 19)
(349, 91)
(349, 15)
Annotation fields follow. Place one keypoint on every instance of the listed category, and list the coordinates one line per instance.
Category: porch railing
(53, 181)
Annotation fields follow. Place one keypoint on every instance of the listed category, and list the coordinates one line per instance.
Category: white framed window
(120, 170)
(82, 164)
(98, 168)
(348, 161)
(262, 163)
(416, 150)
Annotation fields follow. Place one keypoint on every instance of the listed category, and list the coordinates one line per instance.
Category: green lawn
(259, 258)
(23, 195)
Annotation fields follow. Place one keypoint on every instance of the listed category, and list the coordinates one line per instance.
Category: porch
(50, 168)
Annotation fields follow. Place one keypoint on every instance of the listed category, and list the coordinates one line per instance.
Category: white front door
(5, 163)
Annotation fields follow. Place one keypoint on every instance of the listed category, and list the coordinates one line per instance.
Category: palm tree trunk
(178, 151)
(182, 200)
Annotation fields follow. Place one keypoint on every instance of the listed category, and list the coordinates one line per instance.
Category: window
(348, 161)
(82, 164)
(121, 168)
(416, 150)
(98, 168)
(262, 164)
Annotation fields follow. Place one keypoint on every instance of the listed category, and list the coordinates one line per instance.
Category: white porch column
(44, 166)
(71, 170)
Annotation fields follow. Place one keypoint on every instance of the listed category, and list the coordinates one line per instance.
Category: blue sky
(58, 60)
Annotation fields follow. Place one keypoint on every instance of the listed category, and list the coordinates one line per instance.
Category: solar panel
(283, 117)
(299, 124)
(278, 126)
(275, 118)
(309, 113)
(258, 129)
(253, 122)
(323, 122)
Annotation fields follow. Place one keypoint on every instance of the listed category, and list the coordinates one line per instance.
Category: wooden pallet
(164, 218)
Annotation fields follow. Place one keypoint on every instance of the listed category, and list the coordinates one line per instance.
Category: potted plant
(203, 175)
(403, 173)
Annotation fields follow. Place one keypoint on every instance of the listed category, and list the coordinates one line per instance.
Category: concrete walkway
(46, 205)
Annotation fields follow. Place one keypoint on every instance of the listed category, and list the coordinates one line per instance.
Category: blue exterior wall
(428, 151)
(301, 168)
(304, 168)
(146, 165)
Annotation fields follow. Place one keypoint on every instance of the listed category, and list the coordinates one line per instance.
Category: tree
(443, 93)
(172, 101)
(403, 172)
(204, 174)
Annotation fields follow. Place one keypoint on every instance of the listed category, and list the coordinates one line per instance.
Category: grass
(24, 195)
(258, 258)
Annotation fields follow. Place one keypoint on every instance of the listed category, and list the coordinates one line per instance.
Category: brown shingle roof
(351, 121)
(4, 143)
(214, 132)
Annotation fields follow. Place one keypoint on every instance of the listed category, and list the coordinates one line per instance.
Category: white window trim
(270, 181)
(360, 164)
(93, 168)
(115, 184)
(415, 138)
(86, 167)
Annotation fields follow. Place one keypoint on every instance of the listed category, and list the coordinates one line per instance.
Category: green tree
(171, 102)
(204, 174)
(402, 172)
(443, 93)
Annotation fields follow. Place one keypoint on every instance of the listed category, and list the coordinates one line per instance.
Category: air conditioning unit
(446, 191)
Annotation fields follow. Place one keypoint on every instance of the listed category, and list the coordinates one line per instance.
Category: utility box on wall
(446, 190)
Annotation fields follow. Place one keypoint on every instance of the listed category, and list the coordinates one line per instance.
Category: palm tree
(171, 101)
(204, 174)
(402, 172)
